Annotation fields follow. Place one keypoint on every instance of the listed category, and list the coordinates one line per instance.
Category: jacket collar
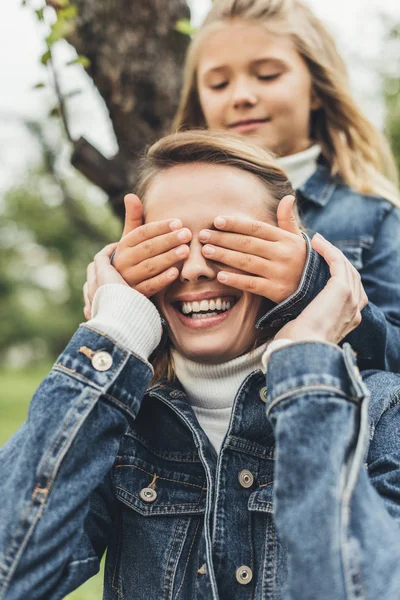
(320, 186)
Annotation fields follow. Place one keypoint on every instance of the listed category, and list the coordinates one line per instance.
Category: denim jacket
(302, 503)
(367, 230)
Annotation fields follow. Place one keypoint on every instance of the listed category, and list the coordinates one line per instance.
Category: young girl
(216, 482)
(270, 71)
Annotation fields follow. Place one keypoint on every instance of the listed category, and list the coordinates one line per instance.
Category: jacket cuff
(96, 359)
(315, 276)
(308, 367)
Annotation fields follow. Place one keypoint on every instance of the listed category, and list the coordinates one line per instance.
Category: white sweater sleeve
(127, 317)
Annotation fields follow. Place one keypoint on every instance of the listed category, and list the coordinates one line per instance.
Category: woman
(270, 71)
(105, 461)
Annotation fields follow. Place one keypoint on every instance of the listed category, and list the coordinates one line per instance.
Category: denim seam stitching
(159, 476)
(187, 560)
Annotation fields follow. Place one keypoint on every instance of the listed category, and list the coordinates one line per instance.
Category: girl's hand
(145, 256)
(336, 311)
(272, 259)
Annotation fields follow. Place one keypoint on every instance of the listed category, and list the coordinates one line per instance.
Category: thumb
(286, 215)
(133, 213)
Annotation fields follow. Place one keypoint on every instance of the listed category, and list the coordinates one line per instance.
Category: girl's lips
(204, 322)
(248, 126)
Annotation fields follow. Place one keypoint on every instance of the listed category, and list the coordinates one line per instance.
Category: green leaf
(39, 85)
(184, 26)
(80, 60)
(55, 112)
(40, 14)
(70, 12)
(59, 30)
(45, 57)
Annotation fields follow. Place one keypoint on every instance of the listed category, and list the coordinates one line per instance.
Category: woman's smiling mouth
(205, 312)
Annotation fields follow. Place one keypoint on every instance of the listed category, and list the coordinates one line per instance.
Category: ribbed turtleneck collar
(299, 167)
(215, 386)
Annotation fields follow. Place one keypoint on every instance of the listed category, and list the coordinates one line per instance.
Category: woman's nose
(195, 266)
(243, 93)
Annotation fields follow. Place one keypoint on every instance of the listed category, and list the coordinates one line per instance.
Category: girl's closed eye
(219, 86)
(269, 77)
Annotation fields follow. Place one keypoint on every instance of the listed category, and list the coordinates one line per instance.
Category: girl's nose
(243, 93)
(195, 266)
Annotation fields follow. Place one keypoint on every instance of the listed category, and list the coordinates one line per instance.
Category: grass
(16, 390)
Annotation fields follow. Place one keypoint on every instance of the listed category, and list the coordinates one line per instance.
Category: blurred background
(84, 87)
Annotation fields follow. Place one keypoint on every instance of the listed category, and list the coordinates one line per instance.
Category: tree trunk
(136, 62)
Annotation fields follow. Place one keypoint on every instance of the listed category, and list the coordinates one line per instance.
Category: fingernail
(183, 235)
(175, 224)
(222, 277)
(171, 274)
(318, 235)
(204, 235)
(220, 222)
(181, 251)
(209, 249)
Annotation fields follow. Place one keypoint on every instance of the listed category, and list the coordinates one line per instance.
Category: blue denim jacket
(367, 231)
(303, 502)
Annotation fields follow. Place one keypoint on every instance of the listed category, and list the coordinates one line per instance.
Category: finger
(238, 260)
(237, 241)
(87, 304)
(154, 266)
(158, 245)
(257, 229)
(133, 213)
(246, 283)
(104, 270)
(286, 216)
(91, 282)
(152, 286)
(108, 250)
(149, 231)
(332, 255)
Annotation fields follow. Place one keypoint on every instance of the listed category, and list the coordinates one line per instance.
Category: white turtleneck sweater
(211, 389)
(299, 167)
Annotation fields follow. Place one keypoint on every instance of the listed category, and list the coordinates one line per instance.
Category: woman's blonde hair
(215, 148)
(353, 147)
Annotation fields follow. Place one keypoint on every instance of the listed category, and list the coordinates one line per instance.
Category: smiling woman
(244, 467)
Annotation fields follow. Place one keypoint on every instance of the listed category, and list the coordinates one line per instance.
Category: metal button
(244, 575)
(263, 394)
(148, 494)
(246, 478)
(102, 361)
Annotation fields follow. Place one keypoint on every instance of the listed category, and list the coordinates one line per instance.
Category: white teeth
(205, 306)
(196, 306)
(204, 315)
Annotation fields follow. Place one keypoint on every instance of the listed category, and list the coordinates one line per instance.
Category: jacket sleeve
(339, 521)
(54, 504)
(377, 339)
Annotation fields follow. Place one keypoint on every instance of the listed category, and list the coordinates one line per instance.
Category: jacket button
(246, 478)
(102, 361)
(148, 494)
(244, 575)
(263, 394)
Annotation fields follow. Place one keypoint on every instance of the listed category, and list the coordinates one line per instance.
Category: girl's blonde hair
(215, 148)
(353, 147)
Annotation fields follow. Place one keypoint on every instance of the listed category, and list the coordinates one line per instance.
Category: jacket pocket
(172, 492)
(156, 549)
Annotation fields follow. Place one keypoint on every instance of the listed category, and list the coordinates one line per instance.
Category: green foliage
(391, 89)
(185, 27)
(44, 252)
